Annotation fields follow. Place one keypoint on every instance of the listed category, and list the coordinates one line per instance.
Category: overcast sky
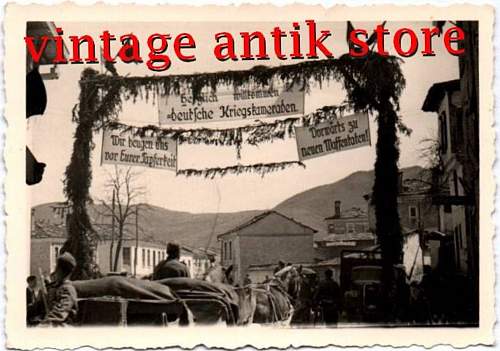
(52, 134)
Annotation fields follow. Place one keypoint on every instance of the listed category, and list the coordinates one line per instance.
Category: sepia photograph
(329, 193)
(275, 181)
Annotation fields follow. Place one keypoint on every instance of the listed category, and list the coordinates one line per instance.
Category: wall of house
(324, 252)
(426, 214)
(155, 252)
(188, 260)
(347, 225)
(269, 249)
(267, 241)
(43, 255)
(259, 275)
(230, 251)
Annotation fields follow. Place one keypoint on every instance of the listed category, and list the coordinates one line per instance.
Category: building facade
(47, 240)
(347, 230)
(265, 240)
(445, 99)
(198, 261)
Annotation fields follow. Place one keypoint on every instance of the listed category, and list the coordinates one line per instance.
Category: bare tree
(122, 205)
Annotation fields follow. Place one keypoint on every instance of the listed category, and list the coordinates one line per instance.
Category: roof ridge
(260, 216)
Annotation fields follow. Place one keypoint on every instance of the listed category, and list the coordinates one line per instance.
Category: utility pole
(136, 238)
(112, 233)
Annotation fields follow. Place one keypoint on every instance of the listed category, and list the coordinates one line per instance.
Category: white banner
(231, 105)
(345, 133)
(128, 149)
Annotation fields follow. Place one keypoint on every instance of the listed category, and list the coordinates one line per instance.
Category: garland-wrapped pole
(81, 241)
(373, 83)
(385, 200)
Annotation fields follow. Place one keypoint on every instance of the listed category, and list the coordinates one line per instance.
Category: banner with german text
(345, 133)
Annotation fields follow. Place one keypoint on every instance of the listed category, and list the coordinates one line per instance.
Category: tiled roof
(436, 93)
(261, 216)
(47, 230)
(43, 230)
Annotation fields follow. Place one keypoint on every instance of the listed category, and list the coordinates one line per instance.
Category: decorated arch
(373, 84)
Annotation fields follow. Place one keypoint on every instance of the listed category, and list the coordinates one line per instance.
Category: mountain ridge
(197, 230)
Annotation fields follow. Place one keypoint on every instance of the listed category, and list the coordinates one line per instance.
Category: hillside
(196, 230)
(313, 205)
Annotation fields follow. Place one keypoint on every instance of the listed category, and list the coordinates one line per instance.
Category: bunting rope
(260, 168)
(250, 134)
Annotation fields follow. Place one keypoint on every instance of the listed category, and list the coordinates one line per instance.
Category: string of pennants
(154, 146)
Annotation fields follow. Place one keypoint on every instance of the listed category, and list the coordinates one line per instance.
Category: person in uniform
(34, 306)
(328, 298)
(280, 266)
(171, 267)
(61, 294)
(247, 280)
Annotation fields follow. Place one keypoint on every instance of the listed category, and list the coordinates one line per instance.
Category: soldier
(171, 267)
(328, 298)
(280, 266)
(62, 298)
(247, 280)
(34, 306)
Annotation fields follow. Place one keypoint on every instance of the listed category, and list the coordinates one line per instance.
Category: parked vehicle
(360, 283)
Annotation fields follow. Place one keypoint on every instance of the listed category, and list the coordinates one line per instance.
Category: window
(56, 253)
(149, 256)
(144, 257)
(443, 130)
(230, 250)
(413, 216)
(154, 257)
(126, 256)
(53, 255)
(350, 227)
(225, 250)
(359, 228)
(455, 182)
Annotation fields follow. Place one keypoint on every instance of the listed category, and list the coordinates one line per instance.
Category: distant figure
(328, 298)
(62, 298)
(247, 280)
(33, 301)
(215, 273)
(171, 267)
(266, 279)
(281, 265)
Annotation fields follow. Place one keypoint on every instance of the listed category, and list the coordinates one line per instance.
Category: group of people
(52, 302)
(314, 301)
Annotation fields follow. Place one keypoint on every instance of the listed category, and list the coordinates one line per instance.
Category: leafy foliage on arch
(372, 84)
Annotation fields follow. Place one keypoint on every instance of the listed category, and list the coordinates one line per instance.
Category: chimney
(337, 209)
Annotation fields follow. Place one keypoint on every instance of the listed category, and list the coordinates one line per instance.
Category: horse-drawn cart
(128, 312)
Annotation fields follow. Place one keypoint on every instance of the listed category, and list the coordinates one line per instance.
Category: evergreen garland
(252, 134)
(371, 83)
(259, 168)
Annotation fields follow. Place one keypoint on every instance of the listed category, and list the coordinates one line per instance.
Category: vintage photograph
(208, 174)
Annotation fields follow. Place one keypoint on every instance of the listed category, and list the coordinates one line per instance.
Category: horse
(264, 303)
(272, 303)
